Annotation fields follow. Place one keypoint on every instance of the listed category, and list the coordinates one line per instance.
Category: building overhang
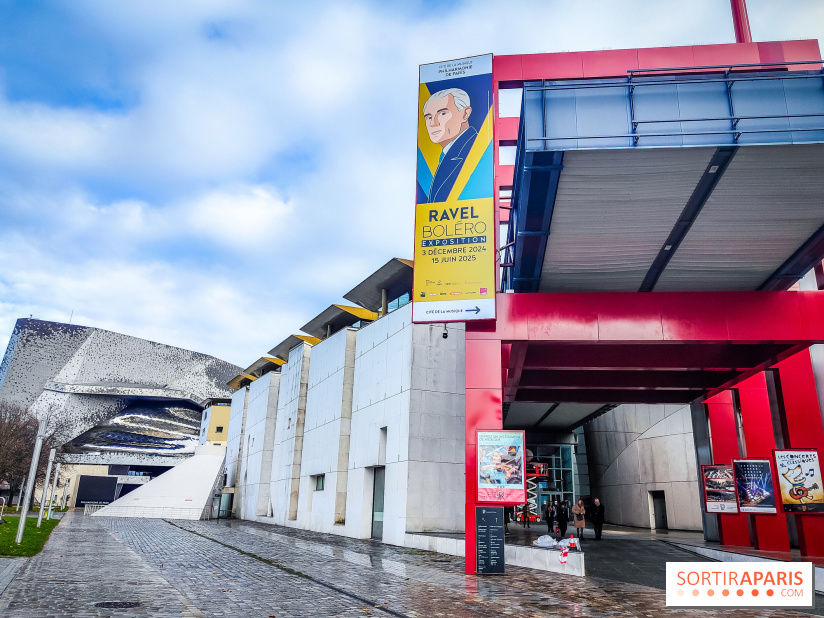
(395, 277)
(600, 349)
(334, 318)
(281, 350)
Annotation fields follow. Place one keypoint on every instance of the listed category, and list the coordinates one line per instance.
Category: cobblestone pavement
(194, 568)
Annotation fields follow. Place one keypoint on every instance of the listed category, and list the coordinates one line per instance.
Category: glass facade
(560, 482)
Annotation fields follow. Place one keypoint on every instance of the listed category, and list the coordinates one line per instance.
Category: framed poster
(754, 487)
(501, 477)
(799, 478)
(719, 489)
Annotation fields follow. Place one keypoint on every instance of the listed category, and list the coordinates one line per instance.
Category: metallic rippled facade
(108, 394)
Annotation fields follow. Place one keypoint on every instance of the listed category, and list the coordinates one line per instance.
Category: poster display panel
(799, 477)
(501, 463)
(754, 488)
(719, 489)
(454, 273)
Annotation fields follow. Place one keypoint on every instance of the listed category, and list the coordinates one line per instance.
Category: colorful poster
(754, 486)
(799, 476)
(501, 466)
(454, 276)
(719, 489)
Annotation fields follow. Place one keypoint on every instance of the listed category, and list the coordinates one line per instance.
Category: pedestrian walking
(597, 518)
(563, 518)
(579, 512)
(525, 516)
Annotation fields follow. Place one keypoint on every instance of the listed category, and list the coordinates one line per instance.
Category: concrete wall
(258, 445)
(635, 449)
(390, 394)
(237, 426)
(288, 440)
(326, 434)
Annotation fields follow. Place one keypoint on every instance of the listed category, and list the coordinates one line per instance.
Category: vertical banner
(754, 486)
(501, 475)
(719, 489)
(799, 476)
(454, 276)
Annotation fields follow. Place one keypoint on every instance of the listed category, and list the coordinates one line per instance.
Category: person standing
(597, 518)
(579, 512)
(563, 518)
(525, 516)
(549, 515)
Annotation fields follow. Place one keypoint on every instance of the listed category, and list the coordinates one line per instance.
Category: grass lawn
(33, 538)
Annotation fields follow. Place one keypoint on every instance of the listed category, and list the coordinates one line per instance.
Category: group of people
(555, 513)
(559, 513)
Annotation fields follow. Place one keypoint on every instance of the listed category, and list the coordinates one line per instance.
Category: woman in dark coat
(563, 518)
(549, 515)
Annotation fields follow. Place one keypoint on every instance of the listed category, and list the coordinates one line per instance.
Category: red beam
(593, 395)
(741, 21)
(651, 380)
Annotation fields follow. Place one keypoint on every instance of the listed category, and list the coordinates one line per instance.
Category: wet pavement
(234, 568)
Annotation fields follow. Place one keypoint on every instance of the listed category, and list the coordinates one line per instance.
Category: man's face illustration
(444, 120)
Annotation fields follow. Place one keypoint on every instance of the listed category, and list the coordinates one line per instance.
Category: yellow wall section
(218, 417)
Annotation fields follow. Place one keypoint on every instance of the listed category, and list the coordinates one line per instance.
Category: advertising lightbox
(454, 273)
(719, 489)
(501, 464)
(754, 487)
(799, 476)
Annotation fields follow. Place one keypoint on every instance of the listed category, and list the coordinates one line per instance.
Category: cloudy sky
(212, 173)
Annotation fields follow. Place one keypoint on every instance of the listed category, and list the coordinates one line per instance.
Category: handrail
(674, 134)
(577, 84)
(727, 66)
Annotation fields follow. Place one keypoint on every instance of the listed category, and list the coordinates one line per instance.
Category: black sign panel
(489, 539)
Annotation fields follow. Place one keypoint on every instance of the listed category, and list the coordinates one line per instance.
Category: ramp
(184, 492)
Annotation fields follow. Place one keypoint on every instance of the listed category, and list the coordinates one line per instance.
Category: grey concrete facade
(635, 449)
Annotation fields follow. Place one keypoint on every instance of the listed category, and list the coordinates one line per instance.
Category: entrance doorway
(658, 504)
(377, 503)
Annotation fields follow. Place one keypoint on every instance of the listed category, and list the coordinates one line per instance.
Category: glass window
(219, 429)
(319, 482)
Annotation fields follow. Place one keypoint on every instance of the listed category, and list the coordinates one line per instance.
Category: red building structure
(705, 319)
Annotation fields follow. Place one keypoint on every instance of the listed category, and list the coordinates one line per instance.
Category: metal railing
(90, 508)
(730, 75)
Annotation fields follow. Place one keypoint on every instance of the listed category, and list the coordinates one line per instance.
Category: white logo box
(740, 584)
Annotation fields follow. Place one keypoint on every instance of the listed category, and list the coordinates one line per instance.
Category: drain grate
(117, 604)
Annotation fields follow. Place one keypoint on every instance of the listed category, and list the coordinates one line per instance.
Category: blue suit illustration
(450, 166)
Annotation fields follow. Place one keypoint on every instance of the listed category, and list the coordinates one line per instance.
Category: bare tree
(18, 433)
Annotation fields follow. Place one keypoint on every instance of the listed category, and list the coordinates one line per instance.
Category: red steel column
(803, 430)
(741, 21)
(733, 528)
(769, 531)
(483, 411)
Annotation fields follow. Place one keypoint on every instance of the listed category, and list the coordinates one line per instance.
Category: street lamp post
(38, 445)
(45, 486)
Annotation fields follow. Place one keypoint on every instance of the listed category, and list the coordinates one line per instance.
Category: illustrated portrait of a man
(446, 114)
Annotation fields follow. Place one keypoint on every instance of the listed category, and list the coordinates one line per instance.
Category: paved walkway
(188, 568)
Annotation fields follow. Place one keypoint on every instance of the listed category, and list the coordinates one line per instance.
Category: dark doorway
(377, 503)
(659, 509)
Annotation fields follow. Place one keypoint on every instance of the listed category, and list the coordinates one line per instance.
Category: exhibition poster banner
(799, 477)
(754, 486)
(719, 489)
(501, 461)
(454, 276)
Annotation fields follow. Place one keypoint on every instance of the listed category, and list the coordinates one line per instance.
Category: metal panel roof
(613, 211)
(395, 277)
(766, 205)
